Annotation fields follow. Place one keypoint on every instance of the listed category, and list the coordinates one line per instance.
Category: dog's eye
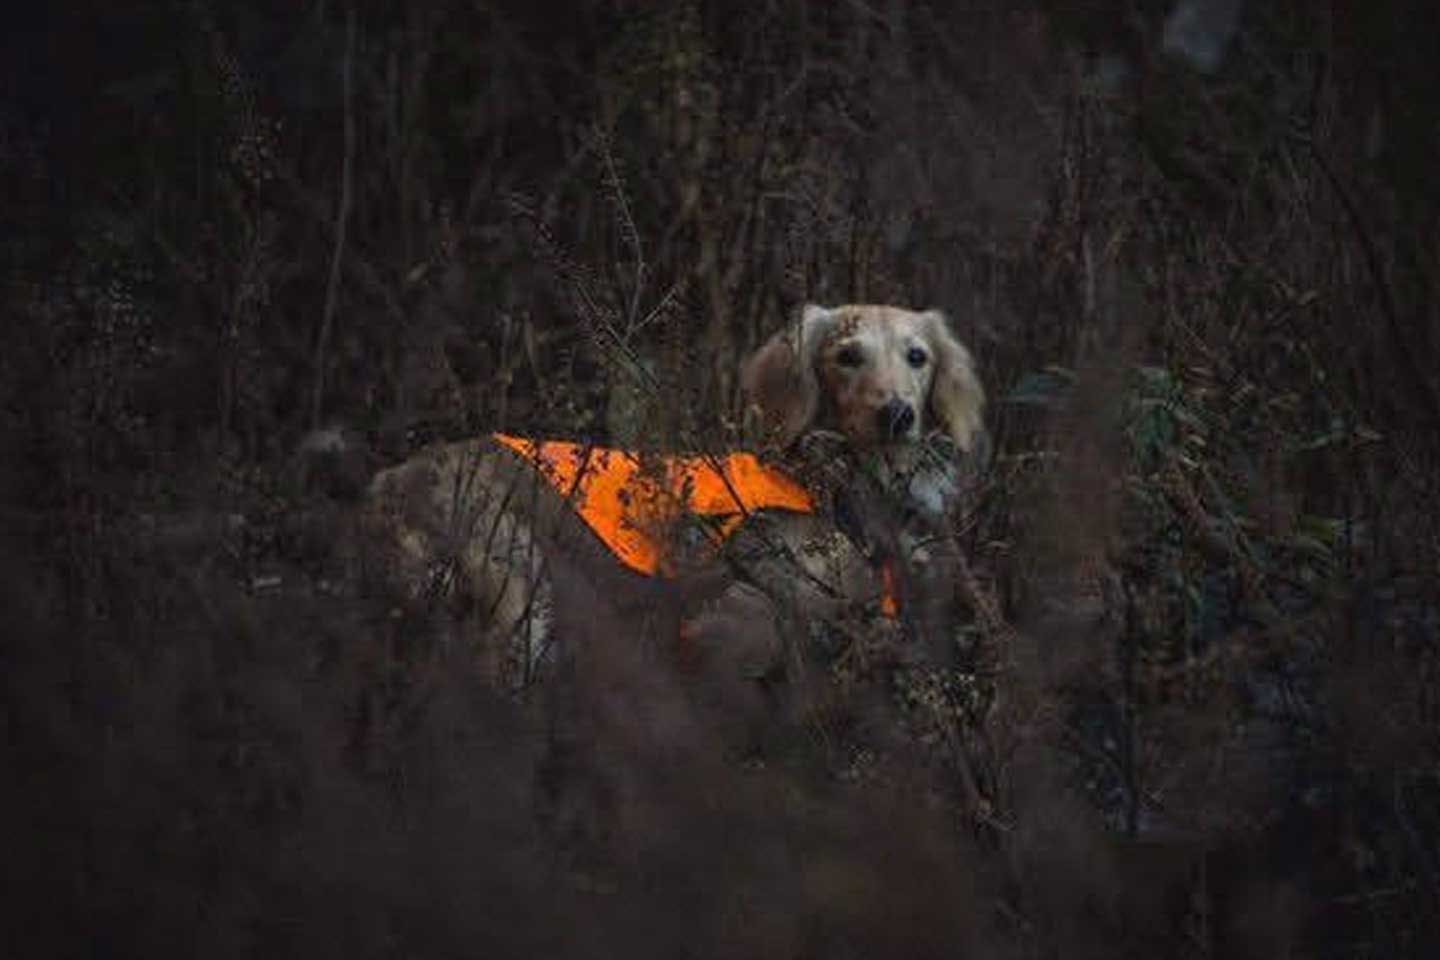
(849, 356)
(916, 357)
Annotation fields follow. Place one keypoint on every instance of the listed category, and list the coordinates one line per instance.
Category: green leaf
(1049, 387)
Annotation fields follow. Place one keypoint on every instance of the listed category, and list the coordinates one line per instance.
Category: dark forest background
(1192, 246)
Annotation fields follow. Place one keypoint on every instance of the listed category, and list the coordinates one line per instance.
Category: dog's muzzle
(897, 419)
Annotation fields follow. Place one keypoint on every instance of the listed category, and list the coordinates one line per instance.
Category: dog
(879, 411)
(869, 408)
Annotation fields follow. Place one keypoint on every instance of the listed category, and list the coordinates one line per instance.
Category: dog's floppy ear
(780, 377)
(956, 398)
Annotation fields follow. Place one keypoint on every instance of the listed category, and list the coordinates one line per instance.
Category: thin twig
(1407, 355)
(342, 220)
(626, 219)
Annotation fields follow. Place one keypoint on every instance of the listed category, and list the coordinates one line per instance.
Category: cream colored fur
(807, 376)
(472, 526)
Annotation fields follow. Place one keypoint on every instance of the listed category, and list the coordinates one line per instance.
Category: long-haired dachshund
(867, 414)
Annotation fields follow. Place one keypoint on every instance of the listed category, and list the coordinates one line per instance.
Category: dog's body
(848, 398)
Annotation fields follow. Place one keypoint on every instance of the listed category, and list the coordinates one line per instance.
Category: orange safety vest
(629, 503)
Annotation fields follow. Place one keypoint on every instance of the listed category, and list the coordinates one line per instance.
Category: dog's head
(882, 376)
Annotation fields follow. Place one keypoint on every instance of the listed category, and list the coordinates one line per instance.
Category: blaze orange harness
(630, 504)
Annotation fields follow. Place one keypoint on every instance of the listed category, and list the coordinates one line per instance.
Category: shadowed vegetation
(1193, 710)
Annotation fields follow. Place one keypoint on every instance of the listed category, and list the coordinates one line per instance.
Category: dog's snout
(896, 419)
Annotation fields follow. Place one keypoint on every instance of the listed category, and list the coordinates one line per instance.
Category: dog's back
(474, 533)
(486, 531)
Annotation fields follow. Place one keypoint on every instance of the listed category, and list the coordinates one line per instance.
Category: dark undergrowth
(1197, 714)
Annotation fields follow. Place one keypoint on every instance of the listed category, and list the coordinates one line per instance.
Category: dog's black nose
(896, 419)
